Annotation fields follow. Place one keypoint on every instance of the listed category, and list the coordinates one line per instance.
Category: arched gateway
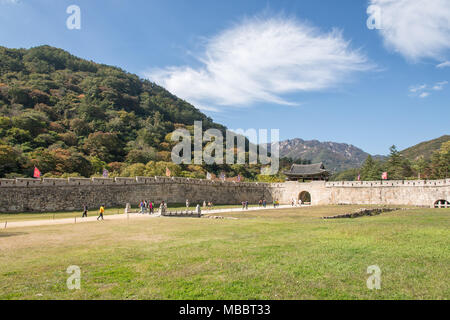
(442, 204)
(305, 197)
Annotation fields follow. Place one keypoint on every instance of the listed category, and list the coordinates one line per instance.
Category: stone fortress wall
(35, 195)
(48, 194)
(403, 192)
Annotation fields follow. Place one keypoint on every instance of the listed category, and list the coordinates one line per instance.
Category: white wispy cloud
(439, 85)
(443, 64)
(261, 60)
(423, 90)
(416, 29)
(417, 88)
(9, 1)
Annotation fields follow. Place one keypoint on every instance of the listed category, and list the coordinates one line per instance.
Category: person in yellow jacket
(101, 212)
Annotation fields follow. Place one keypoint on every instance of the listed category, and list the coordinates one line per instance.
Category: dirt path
(35, 223)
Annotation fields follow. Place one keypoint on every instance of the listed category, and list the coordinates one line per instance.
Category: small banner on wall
(37, 173)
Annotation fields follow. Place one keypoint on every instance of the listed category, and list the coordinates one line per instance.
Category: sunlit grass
(275, 254)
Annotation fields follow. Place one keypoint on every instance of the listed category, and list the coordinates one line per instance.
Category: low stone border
(218, 217)
(189, 214)
(362, 213)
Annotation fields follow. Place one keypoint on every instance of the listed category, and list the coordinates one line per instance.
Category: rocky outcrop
(362, 213)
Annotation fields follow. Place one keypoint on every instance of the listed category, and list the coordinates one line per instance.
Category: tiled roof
(307, 169)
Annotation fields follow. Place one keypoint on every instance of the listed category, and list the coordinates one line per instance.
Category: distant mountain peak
(335, 156)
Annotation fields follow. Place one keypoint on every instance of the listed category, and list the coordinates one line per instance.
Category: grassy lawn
(275, 254)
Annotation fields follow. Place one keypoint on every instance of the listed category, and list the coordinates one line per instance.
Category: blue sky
(312, 69)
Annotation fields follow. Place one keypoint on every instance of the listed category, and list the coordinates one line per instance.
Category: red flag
(168, 173)
(384, 176)
(37, 173)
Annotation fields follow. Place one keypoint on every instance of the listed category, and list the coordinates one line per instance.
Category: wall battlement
(45, 182)
(389, 183)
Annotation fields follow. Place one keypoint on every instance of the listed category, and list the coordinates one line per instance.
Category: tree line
(400, 168)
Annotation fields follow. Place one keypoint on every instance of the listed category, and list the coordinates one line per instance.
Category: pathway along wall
(31, 195)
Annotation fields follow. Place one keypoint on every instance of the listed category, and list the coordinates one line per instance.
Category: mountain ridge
(424, 149)
(338, 156)
(335, 156)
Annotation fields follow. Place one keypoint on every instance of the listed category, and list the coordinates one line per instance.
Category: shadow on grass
(11, 234)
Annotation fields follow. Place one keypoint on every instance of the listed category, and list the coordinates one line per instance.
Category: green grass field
(274, 254)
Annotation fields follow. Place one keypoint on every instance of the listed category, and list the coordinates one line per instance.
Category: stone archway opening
(442, 204)
(305, 197)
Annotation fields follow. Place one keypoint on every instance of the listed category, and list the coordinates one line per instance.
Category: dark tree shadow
(11, 234)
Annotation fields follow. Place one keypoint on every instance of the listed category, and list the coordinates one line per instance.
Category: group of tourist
(146, 206)
(101, 211)
(208, 205)
(262, 203)
(296, 203)
(149, 206)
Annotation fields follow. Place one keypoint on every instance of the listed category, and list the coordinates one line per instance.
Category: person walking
(264, 203)
(162, 208)
(246, 205)
(141, 206)
(150, 207)
(85, 211)
(101, 211)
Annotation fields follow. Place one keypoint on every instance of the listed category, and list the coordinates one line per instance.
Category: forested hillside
(436, 165)
(73, 117)
(425, 149)
(70, 116)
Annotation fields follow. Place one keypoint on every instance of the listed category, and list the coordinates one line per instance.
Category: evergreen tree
(440, 162)
(398, 168)
(370, 170)
(420, 166)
